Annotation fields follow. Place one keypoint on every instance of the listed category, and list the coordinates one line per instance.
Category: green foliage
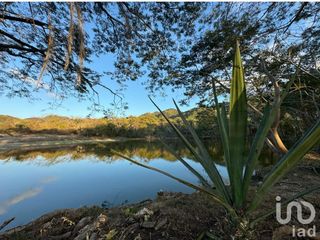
(240, 166)
(174, 43)
(146, 125)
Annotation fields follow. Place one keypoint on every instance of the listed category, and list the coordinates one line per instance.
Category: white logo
(298, 206)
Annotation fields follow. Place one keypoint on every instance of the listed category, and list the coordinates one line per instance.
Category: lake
(35, 182)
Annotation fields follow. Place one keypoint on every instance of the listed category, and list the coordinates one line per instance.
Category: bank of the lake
(45, 141)
(173, 215)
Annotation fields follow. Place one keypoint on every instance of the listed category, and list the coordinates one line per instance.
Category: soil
(175, 216)
(45, 141)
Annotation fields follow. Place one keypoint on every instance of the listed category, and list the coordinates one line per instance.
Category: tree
(280, 41)
(182, 45)
(46, 45)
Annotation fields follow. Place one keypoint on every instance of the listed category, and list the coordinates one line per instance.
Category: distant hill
(8, 121)
(132, 126)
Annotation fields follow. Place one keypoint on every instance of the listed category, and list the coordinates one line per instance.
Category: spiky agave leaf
(257, 145)
(209, 167)
(203, 189)
(287, 162)
(224, 133)
(203, 181)
(237, 126)
(205, 156)
(268, 118)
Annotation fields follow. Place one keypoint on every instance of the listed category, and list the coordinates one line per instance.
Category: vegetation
(240, 165)
(146, 125)
(51, 45)
(181, 45)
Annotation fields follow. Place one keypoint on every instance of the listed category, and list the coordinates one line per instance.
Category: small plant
(240, 165)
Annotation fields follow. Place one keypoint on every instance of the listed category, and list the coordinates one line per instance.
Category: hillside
(147, 124)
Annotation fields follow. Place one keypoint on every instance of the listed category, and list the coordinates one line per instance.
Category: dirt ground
(44, 141)
(174, 216)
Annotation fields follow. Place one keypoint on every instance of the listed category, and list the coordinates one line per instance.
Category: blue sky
(135, 95)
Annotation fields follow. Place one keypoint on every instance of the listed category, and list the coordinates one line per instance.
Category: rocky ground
(173, 216)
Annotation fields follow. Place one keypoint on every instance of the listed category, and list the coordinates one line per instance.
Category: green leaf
(260, 137)
(287, 162)
(208, 191)
(210, 164)
(257, 144)
(191, 169)
(224, 135)
(209, 169)
(237, 125)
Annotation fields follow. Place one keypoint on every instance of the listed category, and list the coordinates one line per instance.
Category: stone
(83, 222)
(111, 234)
(64, 236)
(143, 212)
(93, 236)
(161, 223)
(148, 224)
(67, 222)
(82, 236)
(47, 225)
(102, 219)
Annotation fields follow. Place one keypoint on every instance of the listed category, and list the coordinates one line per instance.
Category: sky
(135, 95)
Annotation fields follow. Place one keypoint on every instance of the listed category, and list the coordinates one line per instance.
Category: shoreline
(170, 215)
(46, 141)
(51, 141)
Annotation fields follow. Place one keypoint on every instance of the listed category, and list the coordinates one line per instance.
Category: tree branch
(8, 35)
(297, 16)
(24, 20)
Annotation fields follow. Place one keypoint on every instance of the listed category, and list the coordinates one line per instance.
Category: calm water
(36, 182)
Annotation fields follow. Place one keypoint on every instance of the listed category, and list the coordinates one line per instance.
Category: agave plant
(240, 165)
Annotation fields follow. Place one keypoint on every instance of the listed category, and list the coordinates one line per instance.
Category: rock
(85, 232)
(93, 236)
(86, 229)
(161, 223)
(111, 234)
(64, 236)
(102, 219)
(148, 224)
(66, 221)
(82, 236)
(144, 213)
(83, 222)
(47, 225)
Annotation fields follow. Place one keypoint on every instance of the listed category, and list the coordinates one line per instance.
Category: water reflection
(35, 182)
(18, 198)
(145, 151)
